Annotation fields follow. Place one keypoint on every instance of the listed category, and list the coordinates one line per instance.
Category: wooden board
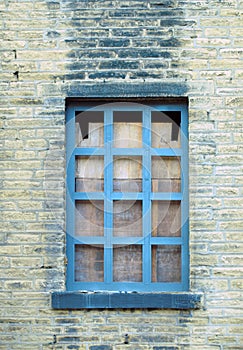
(127, 135)
(162, 134)
(89, 263)
(127, 263)
(89, 174)
(166, 174)
(166, 263)
(95, 135)
(166, 219)
(127, 174)
(89, 218)
(127, 218)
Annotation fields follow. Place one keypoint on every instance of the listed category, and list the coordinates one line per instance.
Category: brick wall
(49, 51)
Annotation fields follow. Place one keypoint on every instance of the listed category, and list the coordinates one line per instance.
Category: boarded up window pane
(89, 263)
(166, 174)
(166, 218)
(89, 129)
(89, 218)
(127, 263)
(127, 174)
(127, 129)
(89, 174)
(165, 129)
(166, 263)
(127, 219)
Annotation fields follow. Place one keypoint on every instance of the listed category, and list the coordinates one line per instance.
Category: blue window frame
(127, 197)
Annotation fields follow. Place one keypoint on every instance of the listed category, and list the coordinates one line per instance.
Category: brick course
(51, 50)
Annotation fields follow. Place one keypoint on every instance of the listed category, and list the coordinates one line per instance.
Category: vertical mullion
(146, 195)
(108, 204)
(185, 200)
(70, 190)
(70, 252)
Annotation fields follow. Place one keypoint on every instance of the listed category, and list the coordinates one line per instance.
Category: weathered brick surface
(49, 51)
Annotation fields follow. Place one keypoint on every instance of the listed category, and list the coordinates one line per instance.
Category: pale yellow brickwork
(48, 50)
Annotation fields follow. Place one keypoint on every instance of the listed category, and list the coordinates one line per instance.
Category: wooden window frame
(108, 196)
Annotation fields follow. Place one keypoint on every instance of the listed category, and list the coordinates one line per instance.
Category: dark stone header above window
(125, 90)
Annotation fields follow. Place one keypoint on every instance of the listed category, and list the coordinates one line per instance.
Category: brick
(23, 262)
(215, 74)
(207, 42)
(224, 63)
(19, 216)
(107, 75)
(200, 54)
(145, 53)
(19, 285)
(22, 238)
(114, 42)
(236, 284)
(238, 225)
(229, 248)
(100, 347)
(119, 65)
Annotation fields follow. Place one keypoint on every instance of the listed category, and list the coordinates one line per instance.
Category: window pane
(127, 263)
(89, 218)
(127, 129)
(166, 174)
(127, 218)
(166, 218)
(166, 263)
(89, 174)
(89, 263)
(166, 129)
(127, 174)
(89, 129)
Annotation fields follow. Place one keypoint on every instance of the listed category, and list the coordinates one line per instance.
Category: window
(127, 197)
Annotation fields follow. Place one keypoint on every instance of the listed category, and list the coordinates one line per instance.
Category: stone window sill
(126, 300)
